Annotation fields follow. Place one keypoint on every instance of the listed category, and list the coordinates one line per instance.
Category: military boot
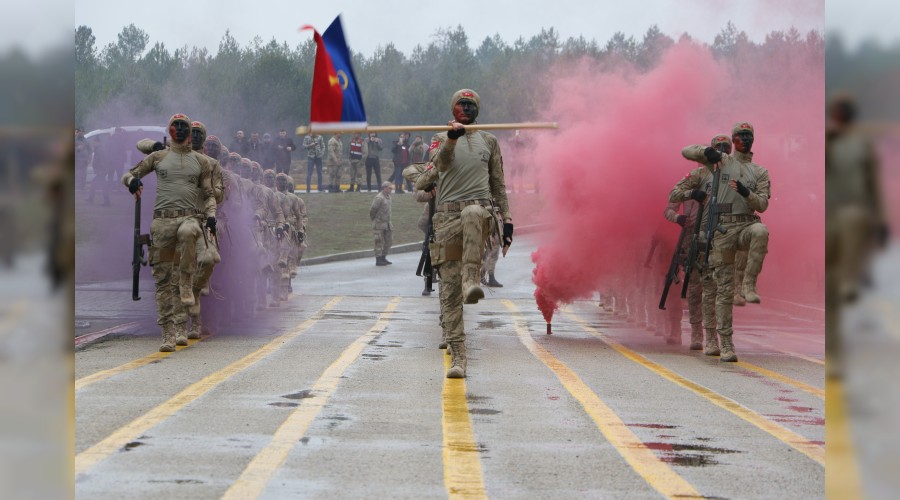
(492, 281)
(194, 332)
(712, 343)
(472, 293)
(749, 289)
(728, 354)
(443, 343)
(180, 334)
(380, 261)
(739, 299)
(457, 360)
(696, 337)
(168, 334)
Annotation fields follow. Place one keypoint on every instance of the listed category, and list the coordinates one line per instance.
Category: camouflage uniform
(695, 286)
(469, 171)
(315, 149)
(358, 152)
(183, 178)
(743, 227)
(383, 228)
(272, 231)
(207, 250)
(335, 162)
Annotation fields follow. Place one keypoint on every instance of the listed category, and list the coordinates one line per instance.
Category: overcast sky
(369, 24)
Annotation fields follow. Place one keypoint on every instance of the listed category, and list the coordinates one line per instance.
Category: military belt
(457, 206)
(724, 208)
(728, 218)
(170, 214)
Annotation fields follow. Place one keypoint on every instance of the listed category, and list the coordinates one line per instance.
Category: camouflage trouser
(491, 255)
(173, 257)
(354, 172)
(384, 238)
(750, 236)
(207, 252)
(708, 301)
(334, 173)
(853, 227)
(469, 230)
(695, 297)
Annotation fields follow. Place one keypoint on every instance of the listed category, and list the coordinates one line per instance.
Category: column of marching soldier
(736, 189)
(211, 203)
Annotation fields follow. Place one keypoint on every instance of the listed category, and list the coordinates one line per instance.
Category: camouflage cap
(234, 156)
(180, 117)
(386, 184)
(246, 163)
(740, 127)
(269, 173)
(720, 139)
(464, 94)
(216, 140)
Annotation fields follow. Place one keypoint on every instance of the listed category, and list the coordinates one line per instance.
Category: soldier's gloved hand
(680, 220)
(300, 236)
(279, 232)
(456, 133)
(742, 189)
(698, 195)
(211, 224)
(507, 233)
(134, 185)
(286, 227)
(158, 146)
(712, 155)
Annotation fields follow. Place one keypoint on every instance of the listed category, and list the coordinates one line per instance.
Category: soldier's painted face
(211, 149)
(179, 131)
(743, 141)
(465, 111)
(197, 138)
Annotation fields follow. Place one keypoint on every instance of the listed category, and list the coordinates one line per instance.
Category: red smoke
(606, 175)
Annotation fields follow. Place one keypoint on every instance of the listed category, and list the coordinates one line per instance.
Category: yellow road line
(260, 470)
(87, 459)
(462, 464)
(131, 365)
(841, 454)
(784, 379)
(812, 450)
(642, 459)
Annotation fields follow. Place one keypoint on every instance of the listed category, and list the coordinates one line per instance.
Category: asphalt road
(340, 393)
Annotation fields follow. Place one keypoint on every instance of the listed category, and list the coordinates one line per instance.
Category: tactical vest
(356, 149)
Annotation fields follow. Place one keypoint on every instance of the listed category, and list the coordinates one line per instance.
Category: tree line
(266, 85)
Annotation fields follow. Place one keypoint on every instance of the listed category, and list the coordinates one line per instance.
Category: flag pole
(339, 128)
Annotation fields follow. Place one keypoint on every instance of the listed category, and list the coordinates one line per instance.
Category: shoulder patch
(434, 144)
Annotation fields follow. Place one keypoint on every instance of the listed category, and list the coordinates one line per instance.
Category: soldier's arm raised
(143, 168)
(671, 212)
(444, 153)
(682, 191)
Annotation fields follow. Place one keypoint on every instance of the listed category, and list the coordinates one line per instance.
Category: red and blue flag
(336, 100)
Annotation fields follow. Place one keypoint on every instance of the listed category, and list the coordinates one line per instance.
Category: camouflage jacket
(183, 177)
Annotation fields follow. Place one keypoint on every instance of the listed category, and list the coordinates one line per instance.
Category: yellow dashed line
(784, 379)
(841, 454)
(462, 465)
(260, 470)
(131, 365)
(657, 473)
(794, 440)
(87, 459)
(757, 343)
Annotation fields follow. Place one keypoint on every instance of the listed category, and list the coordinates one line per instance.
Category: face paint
(743, 141)
(465, 111)
(179, 131)
(197, 139)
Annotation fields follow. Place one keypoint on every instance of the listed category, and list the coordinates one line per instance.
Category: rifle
(424, 268)
(672, 273)
(137, 259)
(712, 218)
(653, 244)
(692, 251)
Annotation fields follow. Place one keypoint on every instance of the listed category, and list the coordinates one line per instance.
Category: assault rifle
(692, 251)
(672, 273)
(712, 217)
(138, 259)
(424, 268)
